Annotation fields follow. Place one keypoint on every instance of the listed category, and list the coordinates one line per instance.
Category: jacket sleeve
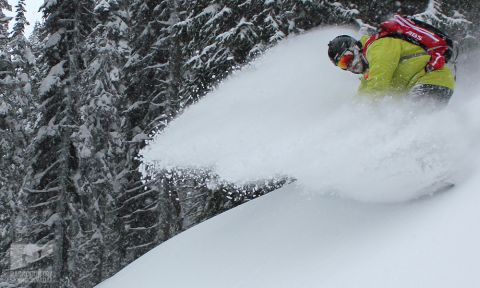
(383, 57)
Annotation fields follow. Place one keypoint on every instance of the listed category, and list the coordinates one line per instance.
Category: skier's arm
(383, 57)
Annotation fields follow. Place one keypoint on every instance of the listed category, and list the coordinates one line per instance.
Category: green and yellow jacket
(396, 65)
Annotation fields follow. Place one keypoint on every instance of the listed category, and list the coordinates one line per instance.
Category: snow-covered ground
(295, 239)
(349, 220)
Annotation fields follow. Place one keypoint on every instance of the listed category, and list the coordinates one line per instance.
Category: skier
(394, 65)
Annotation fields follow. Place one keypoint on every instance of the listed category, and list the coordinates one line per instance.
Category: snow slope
(349, 220)
(292, 238)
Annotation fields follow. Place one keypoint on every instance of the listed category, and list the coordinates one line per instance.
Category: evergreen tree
(35, 37)
(23, 61)
(220, 39)
(440, 14)
(7, 145)
(20, 20)
(150, 97)
(4, 65)
(52, 199)
(99, 142)
(373, 12)
(4, 20)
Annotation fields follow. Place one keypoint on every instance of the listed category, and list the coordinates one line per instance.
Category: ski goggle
(345, 61)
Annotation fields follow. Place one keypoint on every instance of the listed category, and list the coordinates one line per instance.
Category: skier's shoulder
(384, 48)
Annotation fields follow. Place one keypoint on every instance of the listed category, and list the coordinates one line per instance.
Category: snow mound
(292, 113)
(294, 238)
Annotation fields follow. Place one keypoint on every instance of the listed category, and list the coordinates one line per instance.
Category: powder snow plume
(292, 113)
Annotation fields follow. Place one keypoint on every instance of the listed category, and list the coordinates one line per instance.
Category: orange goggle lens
(345, 61)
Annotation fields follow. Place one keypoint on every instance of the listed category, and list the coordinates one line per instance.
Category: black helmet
(339, 45)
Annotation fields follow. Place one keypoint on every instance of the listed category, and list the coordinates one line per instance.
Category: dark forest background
(81, 95)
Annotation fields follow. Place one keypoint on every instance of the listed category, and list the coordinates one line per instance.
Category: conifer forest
(82, 94)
